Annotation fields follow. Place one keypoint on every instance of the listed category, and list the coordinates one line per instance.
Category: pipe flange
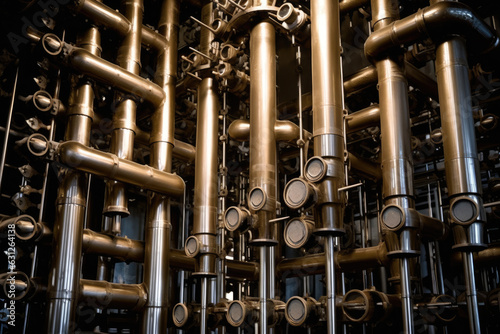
(464, 210)
(49, 39)
(297, 232)
(38, 144)
(11, 285)
(192, 246)
(235, 217)
(315, 169)
(363, 309)
(257, 198)
(236, 313)
(436, 136)
(393, 217)
(296, 311)
(25, 227)
(299, 193)
(180, 315)
(40, 95)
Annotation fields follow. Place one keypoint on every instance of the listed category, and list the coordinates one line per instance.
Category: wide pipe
(363, 119)
(206, 181)
(263, 119)
(64, 274)
(328, 131)
(284, 130)
(113, 295)
(122, 137)
(120, 248)
(83, 158)
(158, 225)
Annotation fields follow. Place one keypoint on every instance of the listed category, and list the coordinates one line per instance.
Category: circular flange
(236, 313)
(192, 246)
(315, 169)
(297, 232)
(464, 210)
(180, 315)
(257, 198)
(296, 311)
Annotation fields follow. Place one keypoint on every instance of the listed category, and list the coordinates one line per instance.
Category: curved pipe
(105, 16)
(111, 74)
(83, 158)
(346, 6)
(438, 20)
(113, 295)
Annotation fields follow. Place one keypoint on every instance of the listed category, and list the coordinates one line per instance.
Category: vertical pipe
(397, 163)
(158, 226)
(263, 288)
(122, 137)
(461, 163)
(64, 277)
(328, 132)
(7, 127)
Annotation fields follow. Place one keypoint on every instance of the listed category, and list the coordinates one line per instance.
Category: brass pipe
(365, 167)
(122, 137)
(346, 6)
(121, 248)
(108, 73)
(112, 295)
(262, 196)
(363, 119)
(64, 275)
(283, 130)
(82, 158)
(158, 224)
(440, 19)
(103, 15)
(182, 150)
(345, 261)
(242, 269)
(206, 182)
(360, 80)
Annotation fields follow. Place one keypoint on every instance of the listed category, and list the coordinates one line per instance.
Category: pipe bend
(239, 130)
(436, 21)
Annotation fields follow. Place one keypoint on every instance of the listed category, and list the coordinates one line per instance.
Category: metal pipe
(182, 150)
(122, 137)
(7, 127)
(82, 158)
(363, 119)
(346, 6)
(120, 248)
(367, 168)
(112, 295)
(441, 19)
(471, 293)
(283, 130)
(158, 225)
(406, 301)
(64, 277)
(108, 73)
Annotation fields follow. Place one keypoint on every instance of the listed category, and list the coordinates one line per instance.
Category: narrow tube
(471, 293)
(330, 284)
(406, 300)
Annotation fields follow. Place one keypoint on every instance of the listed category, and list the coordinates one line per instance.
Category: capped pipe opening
(192, 246)
(38, 144)
(315, 169)
(297, 311)
(180, 315)
(235, 217)
(236, 313)
(257, 198)
(298, 232)
(464, 210)
(52, 44)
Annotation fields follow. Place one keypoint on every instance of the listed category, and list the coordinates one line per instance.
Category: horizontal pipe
(485, 258)
(113, 295)
(360, 80)
(283, 130)
(240, 269)
(120, 248)
(182, 150)
(363, 119)
(107, 17)
(346, 6)
(438, 20)
(83, 158)
(422, 81)
(345, 260)
(432, 228)
(368, 168)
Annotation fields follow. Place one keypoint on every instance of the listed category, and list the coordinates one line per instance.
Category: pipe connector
(291, 18)
(302, 311)
(300, 193)
(239, 312)
(368, 305)
(182, 316)
(439, 310)
(298, 232)
(237, 218)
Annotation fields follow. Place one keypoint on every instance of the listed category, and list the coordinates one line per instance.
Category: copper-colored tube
(440, 19)
(346, 260)
(363, 119)
(120, 248)
(113, 295)
(283, 130)
(83, 158)
(239, 269)
(346, 6)
(122, 137)
(64, 276)
(433, 228)
(102, 15)
(371, 169)
(364, 78)
(182, 150)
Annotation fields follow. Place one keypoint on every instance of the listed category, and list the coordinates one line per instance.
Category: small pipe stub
(298, 310)
(192, 246)
(315, 169)
(235, 218)
(299, 193)
(257, 198)
(297, 232)
(180, 315)
(236, 313)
